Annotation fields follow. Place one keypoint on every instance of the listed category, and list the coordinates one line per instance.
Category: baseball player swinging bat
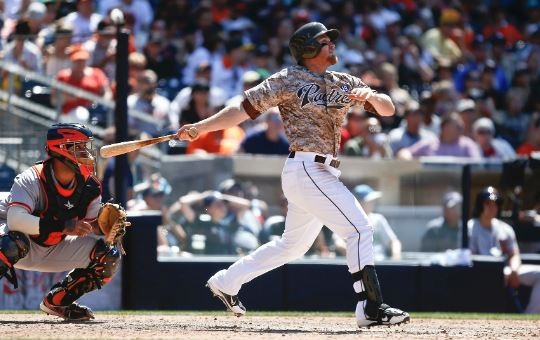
(125, 147)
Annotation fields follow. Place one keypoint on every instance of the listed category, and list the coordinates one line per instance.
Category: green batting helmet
(303, 43)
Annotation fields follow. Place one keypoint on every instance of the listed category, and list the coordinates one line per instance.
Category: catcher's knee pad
(368, 289)
(13, 247)
(104, 262)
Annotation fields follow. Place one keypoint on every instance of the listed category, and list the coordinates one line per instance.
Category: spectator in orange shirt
(80, 75)
(532, 143)
(223, 142)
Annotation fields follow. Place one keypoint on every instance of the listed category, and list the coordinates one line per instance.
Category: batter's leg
(338, 209)
(301, 229)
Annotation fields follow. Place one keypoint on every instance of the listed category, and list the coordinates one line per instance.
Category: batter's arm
(225, 118)
(379, 101)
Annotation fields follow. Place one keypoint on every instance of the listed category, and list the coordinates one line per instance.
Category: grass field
(263, 325)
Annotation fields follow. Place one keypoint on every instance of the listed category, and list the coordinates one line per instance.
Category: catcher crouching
(53, 220)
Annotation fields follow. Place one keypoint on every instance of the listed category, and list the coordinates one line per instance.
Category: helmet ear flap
(311, 49)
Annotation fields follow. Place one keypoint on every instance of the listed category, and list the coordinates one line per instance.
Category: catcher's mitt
(112, 222)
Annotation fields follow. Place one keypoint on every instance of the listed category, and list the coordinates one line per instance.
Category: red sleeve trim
(250, 110)
(25, 206)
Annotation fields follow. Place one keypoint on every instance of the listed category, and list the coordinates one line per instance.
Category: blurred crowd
(464, 77)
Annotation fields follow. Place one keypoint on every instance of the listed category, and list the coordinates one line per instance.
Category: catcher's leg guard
(60, 300)
(370, 310)
(13, 247)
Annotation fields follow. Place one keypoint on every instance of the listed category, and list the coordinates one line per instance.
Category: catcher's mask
(71, 143)
(303, 43)
(487, 194)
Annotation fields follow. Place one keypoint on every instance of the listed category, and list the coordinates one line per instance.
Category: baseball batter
(312, 102)
(47, 223)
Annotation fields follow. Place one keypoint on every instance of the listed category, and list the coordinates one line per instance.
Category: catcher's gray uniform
(71, 253)
(312, 107)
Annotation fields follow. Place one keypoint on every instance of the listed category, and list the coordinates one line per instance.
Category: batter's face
(328, 50)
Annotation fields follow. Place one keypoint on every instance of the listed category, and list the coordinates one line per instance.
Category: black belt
(321, 159)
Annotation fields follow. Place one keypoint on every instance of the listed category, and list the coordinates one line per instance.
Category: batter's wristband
(48, 225)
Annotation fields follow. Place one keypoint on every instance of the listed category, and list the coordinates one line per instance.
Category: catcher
(53, 220)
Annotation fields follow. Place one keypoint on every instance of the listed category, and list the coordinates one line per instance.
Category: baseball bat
(125, 147)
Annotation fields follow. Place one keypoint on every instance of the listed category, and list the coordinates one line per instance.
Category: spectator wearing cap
(444, 232)
(466, 108)
(385, 242)
(243, 202)
(80, 75)
(193, 103)
(203, 75)
(437, 41)
(269, 139)
(411, 131)
(146, 99)
(84, 21)
(215, 230)
(56, 56)
(102, 48)
(21, 50)
(35, 15)
(150, 194)
(491, 147)
(488, 235)
(450, 142)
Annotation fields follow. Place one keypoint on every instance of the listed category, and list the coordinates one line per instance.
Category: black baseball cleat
(387, 316)
(232, 302)
(73, 312)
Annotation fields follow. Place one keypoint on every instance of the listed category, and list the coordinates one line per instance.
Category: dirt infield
(220, 326)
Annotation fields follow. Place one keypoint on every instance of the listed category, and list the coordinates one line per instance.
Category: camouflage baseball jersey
(312, 105)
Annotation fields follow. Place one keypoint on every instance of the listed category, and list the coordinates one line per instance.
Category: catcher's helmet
(71, 143)
(487, 194)
(303, 43)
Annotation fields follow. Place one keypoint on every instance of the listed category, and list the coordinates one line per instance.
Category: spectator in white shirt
(491, 147)
(146, 99)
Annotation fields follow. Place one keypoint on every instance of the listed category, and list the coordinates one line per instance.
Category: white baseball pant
(72, 252)
(316, 197)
